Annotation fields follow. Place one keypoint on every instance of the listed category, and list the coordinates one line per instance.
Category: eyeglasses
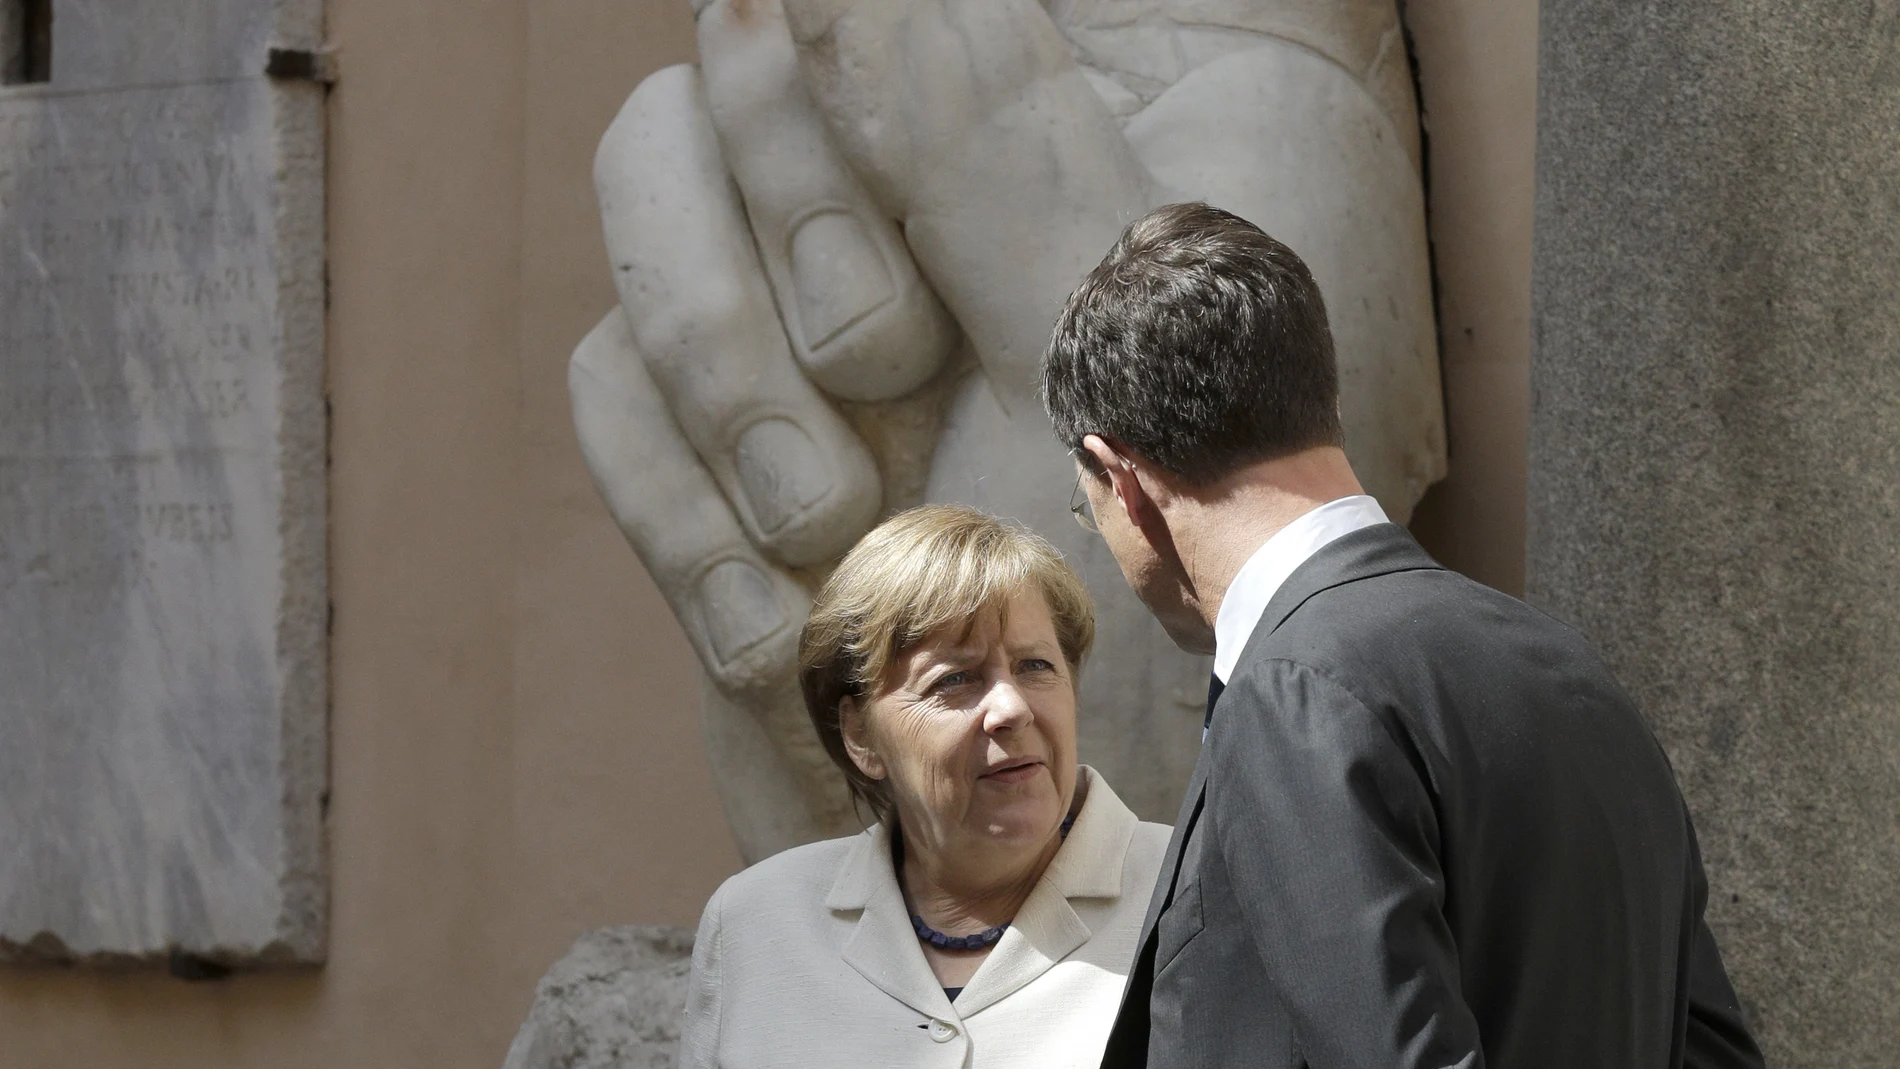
(1079, 506)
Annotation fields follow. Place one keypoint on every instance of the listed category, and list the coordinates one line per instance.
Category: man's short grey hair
(1198, 343)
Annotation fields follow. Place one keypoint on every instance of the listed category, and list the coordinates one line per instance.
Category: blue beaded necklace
(982, 940)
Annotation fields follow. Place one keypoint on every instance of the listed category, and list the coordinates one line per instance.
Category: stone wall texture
(1715, 458)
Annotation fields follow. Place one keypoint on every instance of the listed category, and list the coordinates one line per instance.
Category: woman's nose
(1005, 708)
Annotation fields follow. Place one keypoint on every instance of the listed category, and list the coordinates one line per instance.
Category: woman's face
(974, 732)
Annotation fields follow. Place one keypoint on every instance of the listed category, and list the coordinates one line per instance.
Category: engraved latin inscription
(137, 307)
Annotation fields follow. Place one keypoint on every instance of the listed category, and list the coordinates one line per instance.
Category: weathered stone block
(613, 1003)
(163, 606)
(1714, 456)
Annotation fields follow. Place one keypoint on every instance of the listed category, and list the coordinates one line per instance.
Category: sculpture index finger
(703, 318)
(972, 121)
(859, 318)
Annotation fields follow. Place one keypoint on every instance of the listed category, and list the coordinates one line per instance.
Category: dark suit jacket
(1427, 829)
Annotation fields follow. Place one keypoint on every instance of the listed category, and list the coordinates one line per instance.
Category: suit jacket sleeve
(1717, 1037)
(1323, 817)
(699, 1026)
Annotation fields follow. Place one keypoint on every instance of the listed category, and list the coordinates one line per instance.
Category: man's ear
(1131, 494)
(852, 725)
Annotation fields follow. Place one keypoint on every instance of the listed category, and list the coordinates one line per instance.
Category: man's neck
(1218, 527)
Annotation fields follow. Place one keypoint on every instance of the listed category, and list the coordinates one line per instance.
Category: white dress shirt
(808, 959)
(1260, 578)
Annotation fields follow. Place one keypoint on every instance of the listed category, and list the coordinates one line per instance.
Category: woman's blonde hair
(918, 573)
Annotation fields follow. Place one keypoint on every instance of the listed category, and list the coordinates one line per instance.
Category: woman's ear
(853, 725)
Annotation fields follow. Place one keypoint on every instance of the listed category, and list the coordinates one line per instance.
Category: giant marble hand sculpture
(840, 243)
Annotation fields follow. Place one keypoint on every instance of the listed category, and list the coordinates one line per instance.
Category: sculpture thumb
(971, 124)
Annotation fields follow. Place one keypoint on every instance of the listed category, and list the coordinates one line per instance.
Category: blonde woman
(989, 914)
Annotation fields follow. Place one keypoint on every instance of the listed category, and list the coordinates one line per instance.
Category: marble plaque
(163, 606)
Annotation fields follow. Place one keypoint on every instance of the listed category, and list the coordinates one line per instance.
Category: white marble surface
(162, 586)
(1009, 144)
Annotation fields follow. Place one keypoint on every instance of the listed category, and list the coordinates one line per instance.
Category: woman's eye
(950, 679)
(1036, 664)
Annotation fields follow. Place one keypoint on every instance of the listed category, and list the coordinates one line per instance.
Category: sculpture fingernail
(839, 274)
(739, 609)
(781, 471)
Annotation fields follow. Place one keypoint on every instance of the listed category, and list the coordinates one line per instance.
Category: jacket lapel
(1128, 1038)
(1045, 931)
(1169, 876)
(1047, 928)
(883, 947)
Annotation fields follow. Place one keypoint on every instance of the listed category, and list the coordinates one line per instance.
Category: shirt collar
(1260, 578)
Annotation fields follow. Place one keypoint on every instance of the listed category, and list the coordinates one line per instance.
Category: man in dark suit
(1427, 828)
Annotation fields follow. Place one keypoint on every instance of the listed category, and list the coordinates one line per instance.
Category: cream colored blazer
(808, 959)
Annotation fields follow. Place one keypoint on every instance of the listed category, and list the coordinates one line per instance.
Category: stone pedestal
(614, 1002)
(1715, 459)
